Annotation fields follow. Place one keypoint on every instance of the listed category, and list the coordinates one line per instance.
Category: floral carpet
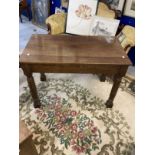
(73, 119)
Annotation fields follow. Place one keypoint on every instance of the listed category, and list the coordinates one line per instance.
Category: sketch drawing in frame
(116, 4)
(130, 8)
(102, 26)
(40, 11)
(80, 13)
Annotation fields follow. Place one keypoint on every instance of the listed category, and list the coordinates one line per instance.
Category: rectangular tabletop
(68, 49)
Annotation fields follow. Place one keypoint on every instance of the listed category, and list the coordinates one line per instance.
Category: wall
(54, 3)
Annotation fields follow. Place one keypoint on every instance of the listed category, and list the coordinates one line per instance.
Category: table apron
(72, 68)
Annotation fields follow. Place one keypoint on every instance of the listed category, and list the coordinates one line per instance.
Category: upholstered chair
(56, 23)
(127, 38)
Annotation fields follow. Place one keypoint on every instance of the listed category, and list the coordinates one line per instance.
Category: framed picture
(115, 4)
(130, 8)
(80, 13)
(64, 3)
(102, 26)
(40, 11)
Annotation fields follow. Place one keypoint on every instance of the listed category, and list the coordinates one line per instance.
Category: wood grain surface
(54, 49)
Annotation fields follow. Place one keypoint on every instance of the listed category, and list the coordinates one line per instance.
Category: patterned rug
(73, 119)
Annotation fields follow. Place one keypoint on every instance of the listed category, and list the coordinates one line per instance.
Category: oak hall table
(73, 54)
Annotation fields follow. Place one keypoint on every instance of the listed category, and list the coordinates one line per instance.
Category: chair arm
(56, 23)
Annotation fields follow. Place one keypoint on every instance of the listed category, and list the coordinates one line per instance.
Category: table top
(69, 49)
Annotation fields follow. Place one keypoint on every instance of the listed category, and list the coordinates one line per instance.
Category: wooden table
(73, 54)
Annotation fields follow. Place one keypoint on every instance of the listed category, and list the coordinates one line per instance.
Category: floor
(26, 29)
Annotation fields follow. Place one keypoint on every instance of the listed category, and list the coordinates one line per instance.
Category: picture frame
(80, 13)
(130, 8)
(115, 4)
(102, 26)
(40, 11)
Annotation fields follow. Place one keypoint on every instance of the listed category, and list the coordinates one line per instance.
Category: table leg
(102, 77)
(117, 81)
(33, 91)
(42, 77)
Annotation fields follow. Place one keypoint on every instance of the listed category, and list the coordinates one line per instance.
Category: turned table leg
(42, 77)
(33, 90)
(117, 81)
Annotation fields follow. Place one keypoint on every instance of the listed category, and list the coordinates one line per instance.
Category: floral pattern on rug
(72, 121)
(73, 128)
(126, 84)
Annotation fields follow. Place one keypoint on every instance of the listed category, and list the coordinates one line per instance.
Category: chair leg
(20, 17)
(102, 78)
(42, 77)
(49, 29)
(28, 13)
